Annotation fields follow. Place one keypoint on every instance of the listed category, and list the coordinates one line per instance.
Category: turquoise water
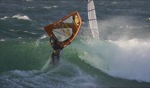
(120, 59)
(22, 67)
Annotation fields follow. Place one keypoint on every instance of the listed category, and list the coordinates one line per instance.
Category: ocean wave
(148, 19)
(18, 16)
(30, 32)
(43, 37)
(22, 17)
(5, 17)
(19, 37)
(127, 59)
(29, 0)
(31, 7)
(2, 40)
(49, 7)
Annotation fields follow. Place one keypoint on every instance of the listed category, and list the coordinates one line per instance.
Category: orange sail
(65, 29)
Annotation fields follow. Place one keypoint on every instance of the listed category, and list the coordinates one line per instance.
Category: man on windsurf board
(56, 49)
(63, 32)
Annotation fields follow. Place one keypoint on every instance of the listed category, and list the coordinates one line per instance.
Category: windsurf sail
(66, 29)
(92, 19)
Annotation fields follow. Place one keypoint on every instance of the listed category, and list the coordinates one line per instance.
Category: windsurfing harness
(66, 29)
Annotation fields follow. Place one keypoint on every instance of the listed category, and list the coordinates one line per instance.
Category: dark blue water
(120, 59)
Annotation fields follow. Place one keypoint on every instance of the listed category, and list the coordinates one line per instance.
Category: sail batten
(91, 10)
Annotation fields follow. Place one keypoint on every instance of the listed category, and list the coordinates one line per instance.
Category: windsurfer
(62, 33)
(56, 49)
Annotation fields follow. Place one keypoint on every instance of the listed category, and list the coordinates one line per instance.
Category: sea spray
(126, 59)
(47, 65)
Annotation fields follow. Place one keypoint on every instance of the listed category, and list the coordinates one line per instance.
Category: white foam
(55, 6)
(18, 16)
(29, 0)
(114, 2)
(47, 7)
(19, 37)
(38, 41)
(30, 32)
(31, 7)
(43, 37)
(2, 40)
(22, 17)
(5, 17)
(12, 30)
(128, 59)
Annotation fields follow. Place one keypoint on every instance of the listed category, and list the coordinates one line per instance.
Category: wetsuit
(56, 49)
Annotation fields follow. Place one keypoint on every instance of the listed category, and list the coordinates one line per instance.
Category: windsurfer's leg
(55, 56)
(58, 57)
(52, 56)
(59, 54)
